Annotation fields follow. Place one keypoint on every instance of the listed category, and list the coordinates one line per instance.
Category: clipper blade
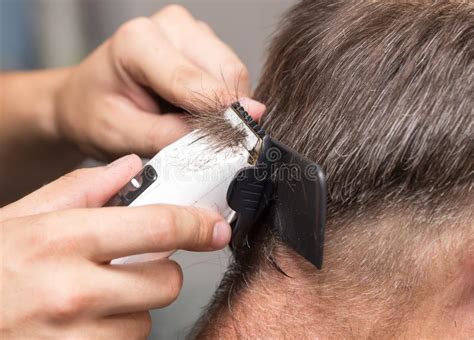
(249, 121)
(240, 119)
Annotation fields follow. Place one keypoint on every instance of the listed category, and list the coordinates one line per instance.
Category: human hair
(381, 95)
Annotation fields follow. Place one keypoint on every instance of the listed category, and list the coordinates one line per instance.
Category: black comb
(294, 201)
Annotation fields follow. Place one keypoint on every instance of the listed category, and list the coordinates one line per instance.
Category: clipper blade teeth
(248, 119)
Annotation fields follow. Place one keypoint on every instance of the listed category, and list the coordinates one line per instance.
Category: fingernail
(221, 234)
(119, 161)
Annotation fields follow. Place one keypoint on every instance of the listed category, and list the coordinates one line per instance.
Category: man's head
(381, 95)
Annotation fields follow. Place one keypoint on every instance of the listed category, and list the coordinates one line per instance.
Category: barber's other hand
(56, 245)
(107, 106)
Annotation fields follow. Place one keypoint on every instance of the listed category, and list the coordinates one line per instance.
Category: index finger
(198, 42)
(149, 58)
(110, 233)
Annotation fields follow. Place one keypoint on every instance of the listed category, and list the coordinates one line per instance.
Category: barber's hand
(106, 104)
(56, 245)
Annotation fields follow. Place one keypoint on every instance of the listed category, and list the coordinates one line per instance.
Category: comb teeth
(248, 119)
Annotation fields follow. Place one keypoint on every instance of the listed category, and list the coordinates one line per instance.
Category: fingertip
(221, 230)
(135, 162)
(116, 175)
(130, 162)
(221, 235)
(253, 107)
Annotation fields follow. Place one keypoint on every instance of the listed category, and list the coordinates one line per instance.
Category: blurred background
(53, 33)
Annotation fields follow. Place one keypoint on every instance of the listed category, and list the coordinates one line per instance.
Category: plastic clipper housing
(284, 187)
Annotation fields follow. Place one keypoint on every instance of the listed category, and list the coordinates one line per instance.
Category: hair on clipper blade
(210, 120)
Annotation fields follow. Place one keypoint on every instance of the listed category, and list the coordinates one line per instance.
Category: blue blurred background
(53, 33)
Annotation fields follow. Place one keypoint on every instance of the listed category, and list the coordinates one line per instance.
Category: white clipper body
(189, 172)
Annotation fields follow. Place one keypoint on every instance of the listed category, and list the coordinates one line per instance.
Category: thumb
(84, 188)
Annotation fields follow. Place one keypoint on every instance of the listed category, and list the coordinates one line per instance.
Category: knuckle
(175, 11)
(133, 28)
(128, 34)
(103, 127)
(68, 303)
(239, 73)
(165, 218)
(245, 76)
(205, 26)
(162, 227)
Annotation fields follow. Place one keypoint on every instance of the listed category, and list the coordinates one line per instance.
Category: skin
(429, 296)
(56, 243)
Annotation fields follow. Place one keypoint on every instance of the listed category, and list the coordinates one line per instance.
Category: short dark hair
(381, 95)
